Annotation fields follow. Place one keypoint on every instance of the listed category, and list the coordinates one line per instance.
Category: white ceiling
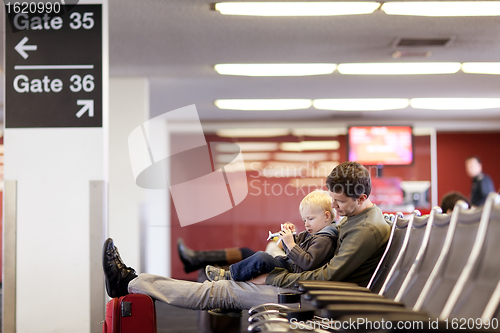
(176, 43)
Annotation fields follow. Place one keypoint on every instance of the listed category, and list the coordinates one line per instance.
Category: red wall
(247, 224)
(454, 148)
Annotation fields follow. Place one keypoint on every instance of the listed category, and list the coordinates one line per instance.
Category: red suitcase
(133, 313)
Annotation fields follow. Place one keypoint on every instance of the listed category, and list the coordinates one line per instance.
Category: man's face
(473, 167)
(344, 205)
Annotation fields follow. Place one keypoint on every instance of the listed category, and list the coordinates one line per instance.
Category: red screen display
(385, 145)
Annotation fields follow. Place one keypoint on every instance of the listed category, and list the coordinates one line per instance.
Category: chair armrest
(324, 301)
(324, 286)
(321, 282)
(312, 294)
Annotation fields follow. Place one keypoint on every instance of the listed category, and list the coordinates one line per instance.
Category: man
(363, 234)
(481, 183)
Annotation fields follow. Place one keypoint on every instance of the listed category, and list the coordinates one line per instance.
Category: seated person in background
(194, 260)
(306, 251)
(450, 199)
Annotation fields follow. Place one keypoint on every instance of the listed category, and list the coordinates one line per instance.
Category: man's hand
(261, 279)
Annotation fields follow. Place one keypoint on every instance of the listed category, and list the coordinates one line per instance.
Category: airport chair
(447, 282)
(418, 228)
(477, 291)
(427, 257)
(265, 313)
(399, 231)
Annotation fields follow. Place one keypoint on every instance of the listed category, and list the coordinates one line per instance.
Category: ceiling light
(287, 165)
(310, 145)
(275, 69)
(310, 157)
(361, 104)
(399, 68)
(238, 167)
(455, 103)
(263, 104)
(323, 131)
(443, 8)
(246, 146)
(252, 132)
(227, 158)
(481, 67)
(296, 8)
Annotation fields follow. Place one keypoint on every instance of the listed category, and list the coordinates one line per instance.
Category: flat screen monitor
(381, 145)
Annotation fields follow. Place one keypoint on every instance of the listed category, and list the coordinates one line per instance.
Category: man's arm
(358, 245)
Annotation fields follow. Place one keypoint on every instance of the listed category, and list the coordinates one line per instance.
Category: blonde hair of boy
(320, 200)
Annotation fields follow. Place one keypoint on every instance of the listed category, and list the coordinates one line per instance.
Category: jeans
(258, 264)
(224, 294)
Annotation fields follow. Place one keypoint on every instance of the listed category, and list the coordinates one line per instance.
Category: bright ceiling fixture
(252, 132)
(263, 104)
(455, 103)
(319, 131)
(406, 68)
(296, 8)
(310, 145)
(228, 158)
(275, 69)
(305, 157)
(443, 8)
(361, 104)
(246, 146)
(481, 67)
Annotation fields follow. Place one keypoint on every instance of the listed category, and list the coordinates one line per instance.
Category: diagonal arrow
(21, 48)
(88, 105)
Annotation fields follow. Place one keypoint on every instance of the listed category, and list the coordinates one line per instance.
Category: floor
(171, 319)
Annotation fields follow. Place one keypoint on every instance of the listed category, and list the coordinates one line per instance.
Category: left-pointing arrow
(88, 105)
(21, 48)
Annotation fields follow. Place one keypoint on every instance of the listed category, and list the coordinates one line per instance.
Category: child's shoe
(216, 274)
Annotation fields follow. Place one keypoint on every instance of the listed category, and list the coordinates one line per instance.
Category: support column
(138, 218)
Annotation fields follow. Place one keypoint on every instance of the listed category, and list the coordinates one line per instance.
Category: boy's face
(344, 205)
(314, 219)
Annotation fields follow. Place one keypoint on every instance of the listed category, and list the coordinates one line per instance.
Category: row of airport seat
(439, 270)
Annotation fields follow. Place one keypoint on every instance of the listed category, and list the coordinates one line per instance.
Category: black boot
(194, 260)
(117, 275)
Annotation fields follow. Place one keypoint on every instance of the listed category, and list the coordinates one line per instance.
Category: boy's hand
(287, 238)
(288, 226)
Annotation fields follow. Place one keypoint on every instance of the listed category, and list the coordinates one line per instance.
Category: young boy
(306, 251)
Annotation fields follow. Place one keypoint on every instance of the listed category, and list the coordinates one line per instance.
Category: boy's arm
(322, 248)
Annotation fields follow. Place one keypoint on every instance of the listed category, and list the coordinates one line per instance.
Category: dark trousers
(255, 265)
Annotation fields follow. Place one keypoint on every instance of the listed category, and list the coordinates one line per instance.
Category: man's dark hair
(351, 178)
(450, 199)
